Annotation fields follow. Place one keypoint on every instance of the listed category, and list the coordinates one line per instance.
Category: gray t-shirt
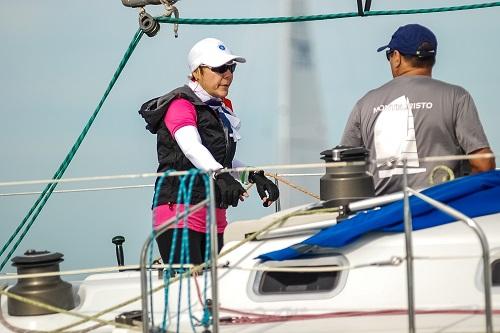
(414, 117)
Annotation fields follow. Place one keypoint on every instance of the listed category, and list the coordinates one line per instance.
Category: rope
(395, 261)
(163, 266)
(266, 318)
(300, 174)
(176, 173)
(169, 10)
(296, 187)
(243, 169)
(183, 197)
(42, 199)
(321, 17)
(94, 189)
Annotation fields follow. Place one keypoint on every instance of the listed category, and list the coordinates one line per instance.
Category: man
(415, 116)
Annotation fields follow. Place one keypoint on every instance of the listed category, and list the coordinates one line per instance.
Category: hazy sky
(57, 57)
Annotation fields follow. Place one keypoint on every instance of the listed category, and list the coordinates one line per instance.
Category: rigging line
(190, 266)
(254, 168)
(12, 276)
(321, 17)
(300, 174)
(294, 186)
(42, 199)
(393, 261)
(268, 318)
(454, 157)
(243, 169)
(93, 178)
(177, 173)
(80, 190)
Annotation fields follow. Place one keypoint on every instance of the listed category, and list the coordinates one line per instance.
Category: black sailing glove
(228, 190)
(266, 188)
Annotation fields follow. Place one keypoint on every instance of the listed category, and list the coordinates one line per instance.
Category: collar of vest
(153, 111)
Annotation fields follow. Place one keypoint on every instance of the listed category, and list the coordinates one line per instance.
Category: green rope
(42, 199)
(283, 19)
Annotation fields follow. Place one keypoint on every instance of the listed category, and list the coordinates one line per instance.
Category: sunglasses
(222, 69)
(388, 54)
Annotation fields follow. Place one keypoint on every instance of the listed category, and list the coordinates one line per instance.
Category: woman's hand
(268, 191)
(228, 190)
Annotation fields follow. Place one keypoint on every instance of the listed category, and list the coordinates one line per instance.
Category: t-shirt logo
(394, 138)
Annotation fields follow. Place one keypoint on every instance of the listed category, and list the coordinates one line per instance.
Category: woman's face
(215, 81)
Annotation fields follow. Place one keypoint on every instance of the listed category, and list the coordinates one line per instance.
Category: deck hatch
(297, 282)
(321, 277)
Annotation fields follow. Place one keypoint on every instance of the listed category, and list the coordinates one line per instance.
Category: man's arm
(482, 164)
(352, 131)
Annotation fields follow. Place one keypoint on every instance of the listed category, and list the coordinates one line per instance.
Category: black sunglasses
(388, 54)
(222, 69)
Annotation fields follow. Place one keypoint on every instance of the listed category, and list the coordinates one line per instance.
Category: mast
(302, 132)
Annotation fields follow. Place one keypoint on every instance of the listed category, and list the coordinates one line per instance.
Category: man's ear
(397, 58)
(197, 74)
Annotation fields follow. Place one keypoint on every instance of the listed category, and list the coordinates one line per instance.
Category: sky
(57, 58)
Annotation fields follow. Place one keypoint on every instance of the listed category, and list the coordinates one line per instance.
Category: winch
(343, 184)
(46, 289)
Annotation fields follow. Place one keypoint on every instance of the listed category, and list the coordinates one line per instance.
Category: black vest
(170, 155)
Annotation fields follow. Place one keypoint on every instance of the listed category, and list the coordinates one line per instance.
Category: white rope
(454, 157)
(266, 167)
(448, 257)
(393, 261)
(82, 179)
(175, 173)
(89, 271)
(299, 174)
(79, 190)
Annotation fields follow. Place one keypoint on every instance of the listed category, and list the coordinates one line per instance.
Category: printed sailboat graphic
(395, 139)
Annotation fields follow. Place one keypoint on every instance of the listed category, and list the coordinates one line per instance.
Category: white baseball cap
(211, 52)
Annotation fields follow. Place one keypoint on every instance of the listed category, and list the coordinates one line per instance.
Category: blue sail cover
(474, 196)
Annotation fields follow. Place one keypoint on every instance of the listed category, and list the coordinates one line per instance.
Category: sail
(301, 120)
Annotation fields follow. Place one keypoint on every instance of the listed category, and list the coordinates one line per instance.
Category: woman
(197, 128)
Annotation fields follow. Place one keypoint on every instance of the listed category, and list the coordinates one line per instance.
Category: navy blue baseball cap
(409, 38)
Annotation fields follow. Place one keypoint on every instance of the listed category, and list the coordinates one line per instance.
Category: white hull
(448, 289)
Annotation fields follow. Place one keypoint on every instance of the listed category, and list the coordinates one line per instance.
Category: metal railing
(143, 260)
(409, 252)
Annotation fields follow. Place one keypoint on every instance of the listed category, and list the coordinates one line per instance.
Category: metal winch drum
(49, 289)
(344, 184)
